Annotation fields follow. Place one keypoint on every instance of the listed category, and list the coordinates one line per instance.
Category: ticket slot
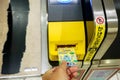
(62, 46)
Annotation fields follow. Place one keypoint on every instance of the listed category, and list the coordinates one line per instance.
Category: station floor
(115, 77)
(26, 78)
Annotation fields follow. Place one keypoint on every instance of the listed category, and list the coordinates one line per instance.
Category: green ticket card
(68, 55)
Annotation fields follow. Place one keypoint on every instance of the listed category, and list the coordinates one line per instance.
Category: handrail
(99, 30)
(112, 25)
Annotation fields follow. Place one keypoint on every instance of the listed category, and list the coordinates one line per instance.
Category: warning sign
(100, 20)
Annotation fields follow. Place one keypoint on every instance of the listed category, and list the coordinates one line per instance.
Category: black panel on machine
(59, 11)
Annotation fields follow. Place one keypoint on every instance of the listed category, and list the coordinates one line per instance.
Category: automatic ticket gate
(65, 23)
(90, 27)
(65, 28)
(104, 26)
(105, 64)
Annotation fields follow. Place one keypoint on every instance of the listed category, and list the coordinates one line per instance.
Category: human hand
(61, 72)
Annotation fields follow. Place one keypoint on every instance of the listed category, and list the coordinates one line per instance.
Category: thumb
(63, 65)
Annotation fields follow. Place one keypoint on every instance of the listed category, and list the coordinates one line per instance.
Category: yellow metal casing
(90, 30)
(66, 34)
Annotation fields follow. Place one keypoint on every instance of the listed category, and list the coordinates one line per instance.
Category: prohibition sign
(100, 20)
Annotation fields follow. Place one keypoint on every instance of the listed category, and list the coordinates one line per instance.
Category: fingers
(47, 74)
(57, 73)
(70, 70)
(74, 70)
(63, 65)
(62, 72)
(50, 71)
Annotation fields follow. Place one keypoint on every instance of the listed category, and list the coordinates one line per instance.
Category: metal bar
(44, 54)
(99, 30)
(102, 69)
(112, 25)
(98, 12)
(112, 52)
(110, 62)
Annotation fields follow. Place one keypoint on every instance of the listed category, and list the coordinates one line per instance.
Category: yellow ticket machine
(65, 27)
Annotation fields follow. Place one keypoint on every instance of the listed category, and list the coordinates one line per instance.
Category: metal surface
(97, 12)
(99, 29)
(110, 62)
(44, 58)
(97, 8)
(115, 77)
(112, 25)
(113, 51)
(107, 67)
(85, 68)
(103, 69)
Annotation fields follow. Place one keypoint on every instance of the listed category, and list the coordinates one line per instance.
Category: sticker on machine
(100, 20)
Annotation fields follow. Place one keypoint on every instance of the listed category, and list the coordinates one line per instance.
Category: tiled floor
(115, 77)
(29, 78)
